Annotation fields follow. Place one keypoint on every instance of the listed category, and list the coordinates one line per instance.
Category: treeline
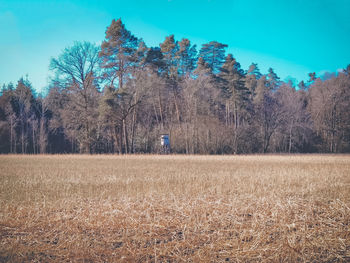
(119, 98)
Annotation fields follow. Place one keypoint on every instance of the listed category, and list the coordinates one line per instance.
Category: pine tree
(273, 81)
(254, 70)
(213, 53)
(251, 79)
(186, 57)
(155, 60)
(234, 88)
(169, 49)
(118, 53)
(236, 95)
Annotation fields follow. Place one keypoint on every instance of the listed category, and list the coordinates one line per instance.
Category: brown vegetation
(175, 208)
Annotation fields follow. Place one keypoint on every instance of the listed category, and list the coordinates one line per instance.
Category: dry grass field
(175, 208)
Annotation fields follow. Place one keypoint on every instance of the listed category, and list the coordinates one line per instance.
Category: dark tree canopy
(213, 53)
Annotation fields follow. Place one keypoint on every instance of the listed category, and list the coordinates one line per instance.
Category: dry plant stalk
(175, 208)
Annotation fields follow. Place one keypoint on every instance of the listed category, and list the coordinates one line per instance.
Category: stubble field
(175, 208)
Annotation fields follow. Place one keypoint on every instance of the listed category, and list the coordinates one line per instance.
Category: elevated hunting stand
(164, 144)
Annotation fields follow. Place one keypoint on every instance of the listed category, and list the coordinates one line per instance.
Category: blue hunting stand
(164, 144)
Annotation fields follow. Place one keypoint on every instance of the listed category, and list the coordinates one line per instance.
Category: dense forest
(120, 96)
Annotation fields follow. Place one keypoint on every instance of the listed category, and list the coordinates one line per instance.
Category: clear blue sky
(293, 37)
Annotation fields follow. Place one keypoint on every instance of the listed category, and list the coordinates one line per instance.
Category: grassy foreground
(175, 208)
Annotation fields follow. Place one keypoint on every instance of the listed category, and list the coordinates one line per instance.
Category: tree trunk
(22, 136)
(227, 117)
(155, 112)
(176, 106)
(133, 128)
(33, 135)
(186, 139)
(125, 137)
(290, 138)
(117, 140)
(160, 110)
(42, 139)
(11, 134)
(15, 146)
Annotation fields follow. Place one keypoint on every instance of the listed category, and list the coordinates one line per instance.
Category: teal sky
(293, 37)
